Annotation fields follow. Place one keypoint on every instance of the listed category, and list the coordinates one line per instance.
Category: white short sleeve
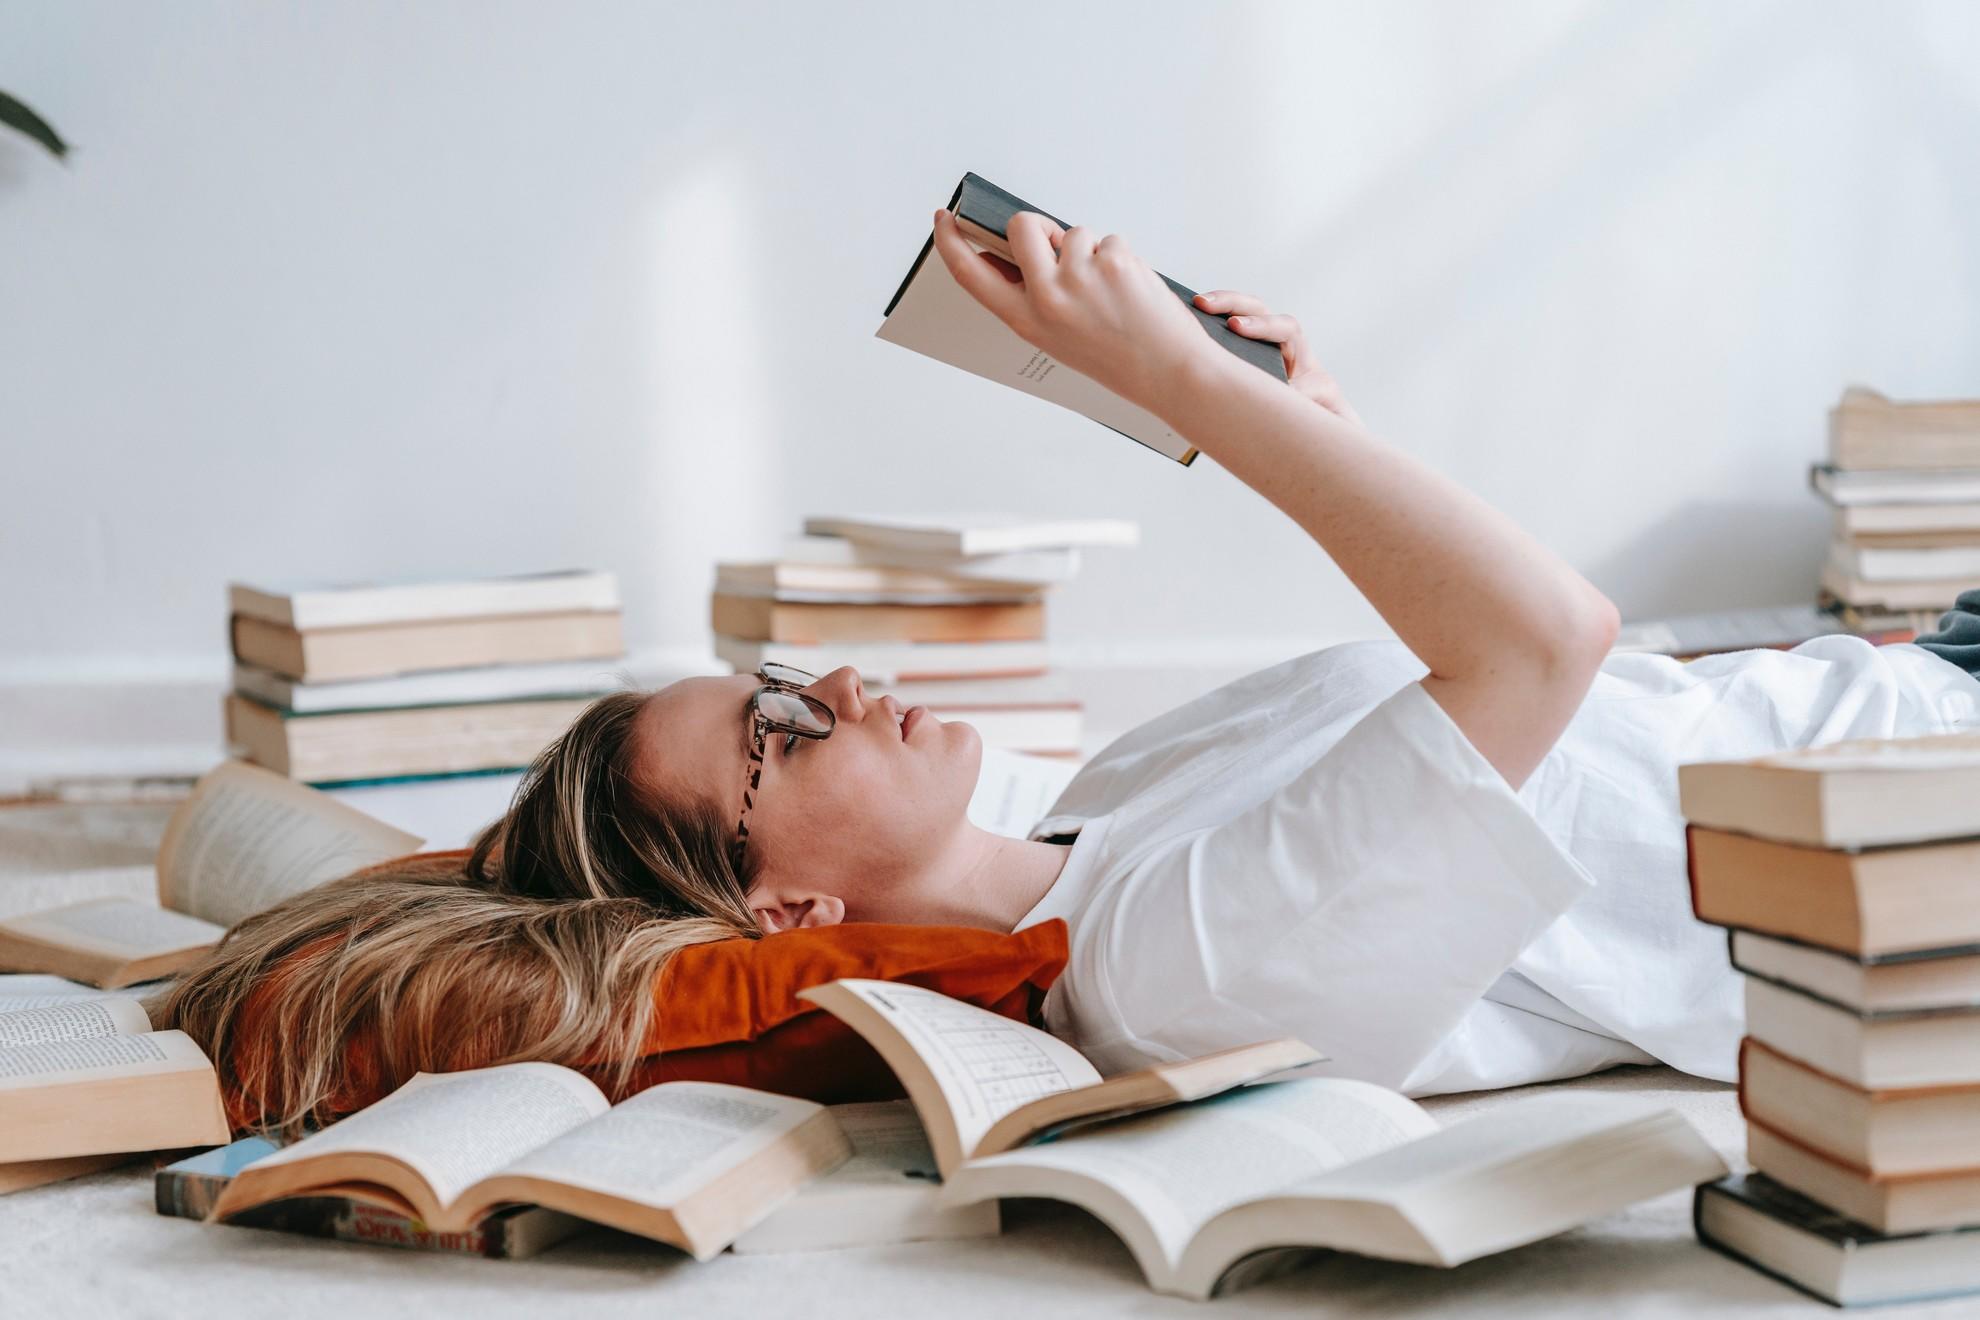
(1364, 908)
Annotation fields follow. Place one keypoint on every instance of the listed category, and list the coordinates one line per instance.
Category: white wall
(339, 289)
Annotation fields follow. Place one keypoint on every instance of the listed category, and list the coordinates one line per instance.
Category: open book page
(1176, 1168)
(21, 991)
(1522, 1173)
(455, 1129)
(75, 1019)
(116, 928)
(666, 1142)
(983, 1065)
(249, 838)
(47, 1062)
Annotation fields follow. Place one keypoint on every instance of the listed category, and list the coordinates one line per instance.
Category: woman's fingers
(1279, 329)
(983, 283)
(1076, 244)
(1231, 303)
(1030, 245)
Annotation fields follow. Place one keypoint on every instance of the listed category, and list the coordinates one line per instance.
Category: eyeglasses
(778, 707)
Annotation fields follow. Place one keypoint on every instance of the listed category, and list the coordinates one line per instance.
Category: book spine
(193, 1196)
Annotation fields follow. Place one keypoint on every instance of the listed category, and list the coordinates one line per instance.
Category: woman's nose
(843, 692)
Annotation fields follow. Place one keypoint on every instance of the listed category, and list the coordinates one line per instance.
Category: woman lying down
(1450, 861)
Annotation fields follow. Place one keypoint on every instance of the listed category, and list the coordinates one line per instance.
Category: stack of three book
(353, 683)
(1844, 875)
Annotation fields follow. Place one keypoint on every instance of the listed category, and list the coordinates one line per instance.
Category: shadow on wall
(1718, 554)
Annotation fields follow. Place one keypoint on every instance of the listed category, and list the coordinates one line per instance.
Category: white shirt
(1317, 851)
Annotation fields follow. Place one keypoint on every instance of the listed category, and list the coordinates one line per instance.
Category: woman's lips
(912, 718)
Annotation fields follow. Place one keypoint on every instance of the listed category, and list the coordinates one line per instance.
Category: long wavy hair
(544, 942)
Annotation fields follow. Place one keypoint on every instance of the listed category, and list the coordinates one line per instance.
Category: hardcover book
(933, 315)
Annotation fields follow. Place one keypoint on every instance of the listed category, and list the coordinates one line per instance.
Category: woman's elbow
(1585, 636)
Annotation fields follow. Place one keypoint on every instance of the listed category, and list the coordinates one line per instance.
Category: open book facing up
(688, 1163)
(89, 1077)
(1203, 1190)
(984, 1083)
(245, 840)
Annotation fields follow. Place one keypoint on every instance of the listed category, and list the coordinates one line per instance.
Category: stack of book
(1904, 481)
(1845, 876)
(343, 684)
(942, 611)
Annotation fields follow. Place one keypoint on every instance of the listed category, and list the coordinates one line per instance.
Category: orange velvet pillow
(729, 1012)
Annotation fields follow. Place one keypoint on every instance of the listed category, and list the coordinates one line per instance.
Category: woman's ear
(796, 912)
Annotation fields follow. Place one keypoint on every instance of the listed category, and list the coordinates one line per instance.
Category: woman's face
(860, 815)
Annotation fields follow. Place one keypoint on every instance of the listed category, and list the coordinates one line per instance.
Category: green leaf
(15, 115)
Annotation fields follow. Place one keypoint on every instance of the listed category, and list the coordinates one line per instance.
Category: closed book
(1039, 691)
(1891, 1132)
(1779, 1232)
(1038, 568)
(889, 661)
(338, 654)
(1880, 983)
(1875, 901)
(1867, 520)
(1040, 731)
(361, 604)
(931, 314)
(191, 1187)
(871, 584)
(1915, 1203)
(1887, 564)
(1861, 793)
(1868, 430)
(1936, 594)
(439, 687)
(1943, 486)
(1689, 635)
(968, 535)
(1871, 1051)
(382, 744)
(757, 619)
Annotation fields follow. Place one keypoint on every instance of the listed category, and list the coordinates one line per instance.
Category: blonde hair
(545, 942)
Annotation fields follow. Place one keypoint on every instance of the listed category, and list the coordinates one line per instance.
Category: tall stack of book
(942, 611)
(1845, 875)
(1904, 481)
(344, 684)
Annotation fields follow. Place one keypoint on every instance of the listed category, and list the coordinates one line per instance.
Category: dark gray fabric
(1958, 638)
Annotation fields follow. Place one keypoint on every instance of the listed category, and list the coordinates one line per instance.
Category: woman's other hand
(1089, 302)
(1248, 316)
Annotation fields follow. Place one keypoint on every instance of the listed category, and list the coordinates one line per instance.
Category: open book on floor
(693, 1164)
(89, 1077)
(1198, 1190)
(887, 1192)
(984, 1083)
(245, 840)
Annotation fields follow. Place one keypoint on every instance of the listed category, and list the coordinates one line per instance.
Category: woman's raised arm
(1512, 635)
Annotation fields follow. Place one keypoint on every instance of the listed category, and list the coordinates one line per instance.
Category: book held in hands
(934, 316)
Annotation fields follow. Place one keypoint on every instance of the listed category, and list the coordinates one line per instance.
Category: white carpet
(94, 1247)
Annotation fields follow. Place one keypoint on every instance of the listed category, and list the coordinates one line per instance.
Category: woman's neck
(988, 880)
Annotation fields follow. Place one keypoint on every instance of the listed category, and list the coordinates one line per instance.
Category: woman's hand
(1248, 316)
(1091, 303)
